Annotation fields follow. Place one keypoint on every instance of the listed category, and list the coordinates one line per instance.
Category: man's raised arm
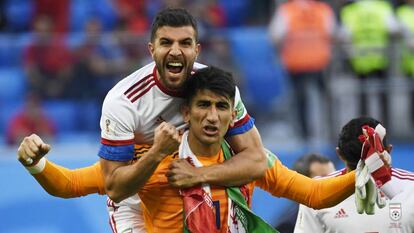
(57, 180)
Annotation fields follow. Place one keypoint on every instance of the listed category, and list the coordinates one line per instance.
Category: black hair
(348, 142)
(302, 165)
(210, 78)
(173, 17)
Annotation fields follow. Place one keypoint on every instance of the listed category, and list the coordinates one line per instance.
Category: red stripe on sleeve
(242, 121)
(117, 142)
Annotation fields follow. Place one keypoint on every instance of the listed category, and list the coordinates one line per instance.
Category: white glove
(366, 192)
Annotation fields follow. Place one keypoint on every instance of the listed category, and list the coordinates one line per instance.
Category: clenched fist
(166, 139)
(31, 150)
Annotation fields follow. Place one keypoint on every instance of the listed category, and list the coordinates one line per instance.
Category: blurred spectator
(210, 13)
(56, 10)
(405, 14)
(3, 22)
(259, 11)
(367, 27)
(96, 65)
(155, 5)
(310, 165)
(31, 119)
(132, 14)
(132, 48)
(47, 61)
(217, 52)
(302, 31)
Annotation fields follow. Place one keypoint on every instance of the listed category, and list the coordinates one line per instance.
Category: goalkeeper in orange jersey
(209, 112)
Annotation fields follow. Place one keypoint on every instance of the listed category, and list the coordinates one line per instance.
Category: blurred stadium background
(103, 41)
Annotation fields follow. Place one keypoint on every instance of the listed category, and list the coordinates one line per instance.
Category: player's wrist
(37, 167)
(155, 153)
(201, 177)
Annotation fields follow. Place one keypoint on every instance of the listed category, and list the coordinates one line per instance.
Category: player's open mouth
(210, 130)
(175, 67)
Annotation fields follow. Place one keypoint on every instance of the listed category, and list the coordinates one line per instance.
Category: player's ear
(339, 153)
(233, 118)
(185, 111)
(151, 49)
(198, 49)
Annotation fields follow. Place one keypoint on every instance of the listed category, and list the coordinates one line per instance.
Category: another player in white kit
(396, 217)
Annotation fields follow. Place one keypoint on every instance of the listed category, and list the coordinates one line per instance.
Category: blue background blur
(25, 207)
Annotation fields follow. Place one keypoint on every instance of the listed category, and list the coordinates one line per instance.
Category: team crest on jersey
(395, 211)
(239, 109)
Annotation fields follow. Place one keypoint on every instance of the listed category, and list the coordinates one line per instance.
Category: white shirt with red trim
(131, 111)
(396, 217)
(139, 103)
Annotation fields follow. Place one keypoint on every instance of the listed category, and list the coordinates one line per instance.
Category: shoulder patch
(239, 109)
(110, 127)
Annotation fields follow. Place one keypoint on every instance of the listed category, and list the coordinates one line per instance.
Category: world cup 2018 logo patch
(395, 211)
(110, 127)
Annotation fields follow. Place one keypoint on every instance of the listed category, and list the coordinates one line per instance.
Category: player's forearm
(125, 181)
(280, 181)
(62, 182)
(241, 169)
(332, 191)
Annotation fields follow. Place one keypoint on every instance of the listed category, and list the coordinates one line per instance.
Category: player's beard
(171, 81)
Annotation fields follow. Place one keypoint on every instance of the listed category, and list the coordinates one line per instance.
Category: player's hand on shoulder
(166, 139)
(31, 150)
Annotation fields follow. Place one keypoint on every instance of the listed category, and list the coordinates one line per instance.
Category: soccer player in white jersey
(396, 216)
(139, 103)
(131, 112)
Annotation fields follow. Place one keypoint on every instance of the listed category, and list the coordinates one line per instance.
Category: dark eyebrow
(223, 103)
(187, 39)
(164, 39)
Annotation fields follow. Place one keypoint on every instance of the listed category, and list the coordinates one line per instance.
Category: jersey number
(216, 205)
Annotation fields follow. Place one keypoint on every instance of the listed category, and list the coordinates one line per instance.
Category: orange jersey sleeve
(280, 181)
(62, 182)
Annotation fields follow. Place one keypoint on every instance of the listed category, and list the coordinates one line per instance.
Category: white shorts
(126, 216)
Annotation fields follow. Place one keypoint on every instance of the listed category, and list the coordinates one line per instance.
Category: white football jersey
(396, 217)
(138, 104)
(131, 111)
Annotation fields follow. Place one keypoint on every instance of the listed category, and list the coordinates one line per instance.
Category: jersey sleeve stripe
(241, 128)
(333, 174)
(140, 88)
(137, 83)
(242, 121)
(401, 171)
(403, 175)
(117, 142)
(143, 92)
(117, 153)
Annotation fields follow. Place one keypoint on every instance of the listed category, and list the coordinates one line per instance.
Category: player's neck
(202, 149)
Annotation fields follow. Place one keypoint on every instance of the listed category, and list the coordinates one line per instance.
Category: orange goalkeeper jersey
(163, 206)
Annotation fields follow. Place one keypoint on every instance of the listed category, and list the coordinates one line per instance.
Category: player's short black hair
(212, 79)
(173, 17)
(348, 142)
(302, 165)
